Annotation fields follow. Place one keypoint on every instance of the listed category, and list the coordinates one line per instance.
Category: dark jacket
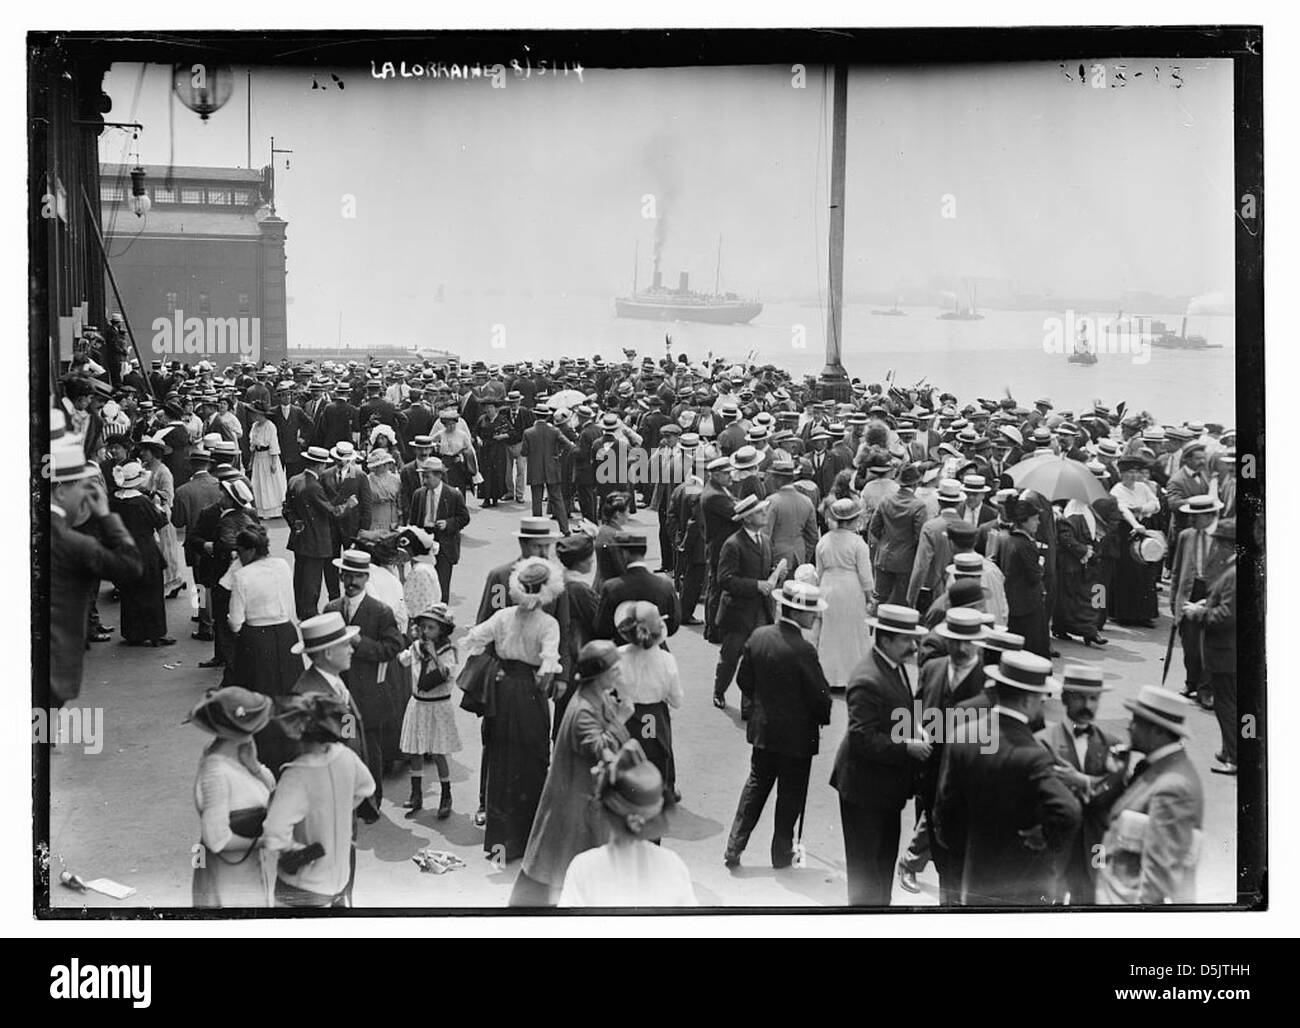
(1019, 561)
(872, 767)
(932, 687)
(543, 446)
(452, 509)
(1006, 819)
(1220, 646)
(717, 506)
(335, 423)
(347, 523)
(380, 641)
(78, 561)
(290, 429)
(779, 671)
(741, 566)
(895, 531)
(310, 514)
(636, 583)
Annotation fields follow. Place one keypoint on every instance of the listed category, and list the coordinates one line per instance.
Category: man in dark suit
(880, 756)
(732, 437)
(944, 682)
(790, 699)
(192, 498)
(292, 426)
(822, 464)
(378, 409)
(1218, 614)
(211, 544)
(79, 560)
(584, 463)
(717, 504)
(976, 510)
(378, 642)
(1082, 759)
(1001, 811)
(543, 446)
(441, 510)
(408, 475)
(344, 482)
(311, 513)
(337, 422)
(418, 414)
(1153, 839)
(894, 533)
(638, 582)
(744, 585)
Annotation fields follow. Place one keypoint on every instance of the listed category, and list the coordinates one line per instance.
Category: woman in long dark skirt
(1076, 612)
(1136, 581)
(1107, 546)
(492, 434)
(144, 615)
(1026, 592)
(262, 618)
(517, 725)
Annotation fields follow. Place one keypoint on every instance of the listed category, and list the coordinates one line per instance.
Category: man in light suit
(933, 550)
(442, 511)
(792, 523)
(1002, 813)
(877, 765)
(894, 532)
(1152, 841)
(1193, 567)
(543, 446)
(1083, 760)
(378, 641)
(745, 588)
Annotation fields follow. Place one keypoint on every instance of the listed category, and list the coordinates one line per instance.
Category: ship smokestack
(659, 279)
(683, 282)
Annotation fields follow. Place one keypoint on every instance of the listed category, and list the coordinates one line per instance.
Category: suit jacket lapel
(1066, 744)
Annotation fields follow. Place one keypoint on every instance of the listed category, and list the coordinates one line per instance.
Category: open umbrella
(566, 398)
(1057, 478)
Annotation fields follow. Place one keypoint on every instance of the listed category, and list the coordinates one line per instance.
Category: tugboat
(1166, 340)
(1083, 353)
(659, 303)
(957, 314)
(893, 312)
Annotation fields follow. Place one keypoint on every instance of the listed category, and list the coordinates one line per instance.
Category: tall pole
(834, 380)
(248, 120)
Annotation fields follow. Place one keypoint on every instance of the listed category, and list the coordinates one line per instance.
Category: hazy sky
(539, 185)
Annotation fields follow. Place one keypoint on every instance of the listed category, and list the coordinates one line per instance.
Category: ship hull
(713, 314)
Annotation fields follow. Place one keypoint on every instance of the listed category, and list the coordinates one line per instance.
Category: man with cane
(782, 678)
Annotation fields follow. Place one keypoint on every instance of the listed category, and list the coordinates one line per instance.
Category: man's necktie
(1081, 730)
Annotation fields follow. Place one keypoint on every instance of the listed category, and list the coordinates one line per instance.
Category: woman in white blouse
(262, 618)
(517, 725)
(231, 793)
(652, 685)
(1133, 600)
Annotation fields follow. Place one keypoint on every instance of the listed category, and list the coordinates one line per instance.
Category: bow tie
(1081, 730)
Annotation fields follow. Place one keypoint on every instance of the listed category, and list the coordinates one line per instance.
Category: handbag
(479, 672)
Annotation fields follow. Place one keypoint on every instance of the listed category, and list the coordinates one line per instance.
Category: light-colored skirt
(842, 641)
(430, 727)
(268, 484)
(173, 557)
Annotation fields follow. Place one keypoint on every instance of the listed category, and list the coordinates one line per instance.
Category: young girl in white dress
(429, 727)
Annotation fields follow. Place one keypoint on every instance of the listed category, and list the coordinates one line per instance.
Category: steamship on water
(659, 303)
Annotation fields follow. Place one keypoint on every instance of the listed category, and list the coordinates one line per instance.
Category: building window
(190, 194)
(162, 194)
(243, 197)
(221, 196)
(111, 194)
(204, 307)
(243, 303)
(172, 300)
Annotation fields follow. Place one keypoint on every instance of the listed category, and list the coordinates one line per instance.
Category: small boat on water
(1167, 340)
(957, 314)
(893, 312)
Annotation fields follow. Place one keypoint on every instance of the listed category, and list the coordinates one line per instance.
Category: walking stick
(1169, 652)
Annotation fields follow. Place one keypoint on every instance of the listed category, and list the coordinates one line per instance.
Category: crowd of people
(902, 545)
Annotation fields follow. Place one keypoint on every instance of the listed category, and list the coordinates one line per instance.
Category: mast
(636, 256)
(717, 278)
(835, 380)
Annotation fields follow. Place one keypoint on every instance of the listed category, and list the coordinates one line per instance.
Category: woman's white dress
(164, 488)
(845, 577)
(268, 476)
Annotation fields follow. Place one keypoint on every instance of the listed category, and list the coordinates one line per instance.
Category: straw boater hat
(323, 631)
(1205, 503)
(422, 442)
(1161, 707)
(231, 713)
(966, 565)
(962, 624)
(316, 455)
(537, 528)
(344, 450)
(1000, 640)
(1083, 678)
(353, 561)
(893, 617)
(975, 484)
(950, 491)
(1025, 671)
(68, 463)
(748, 505)
(801, 596)
(746, 457)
